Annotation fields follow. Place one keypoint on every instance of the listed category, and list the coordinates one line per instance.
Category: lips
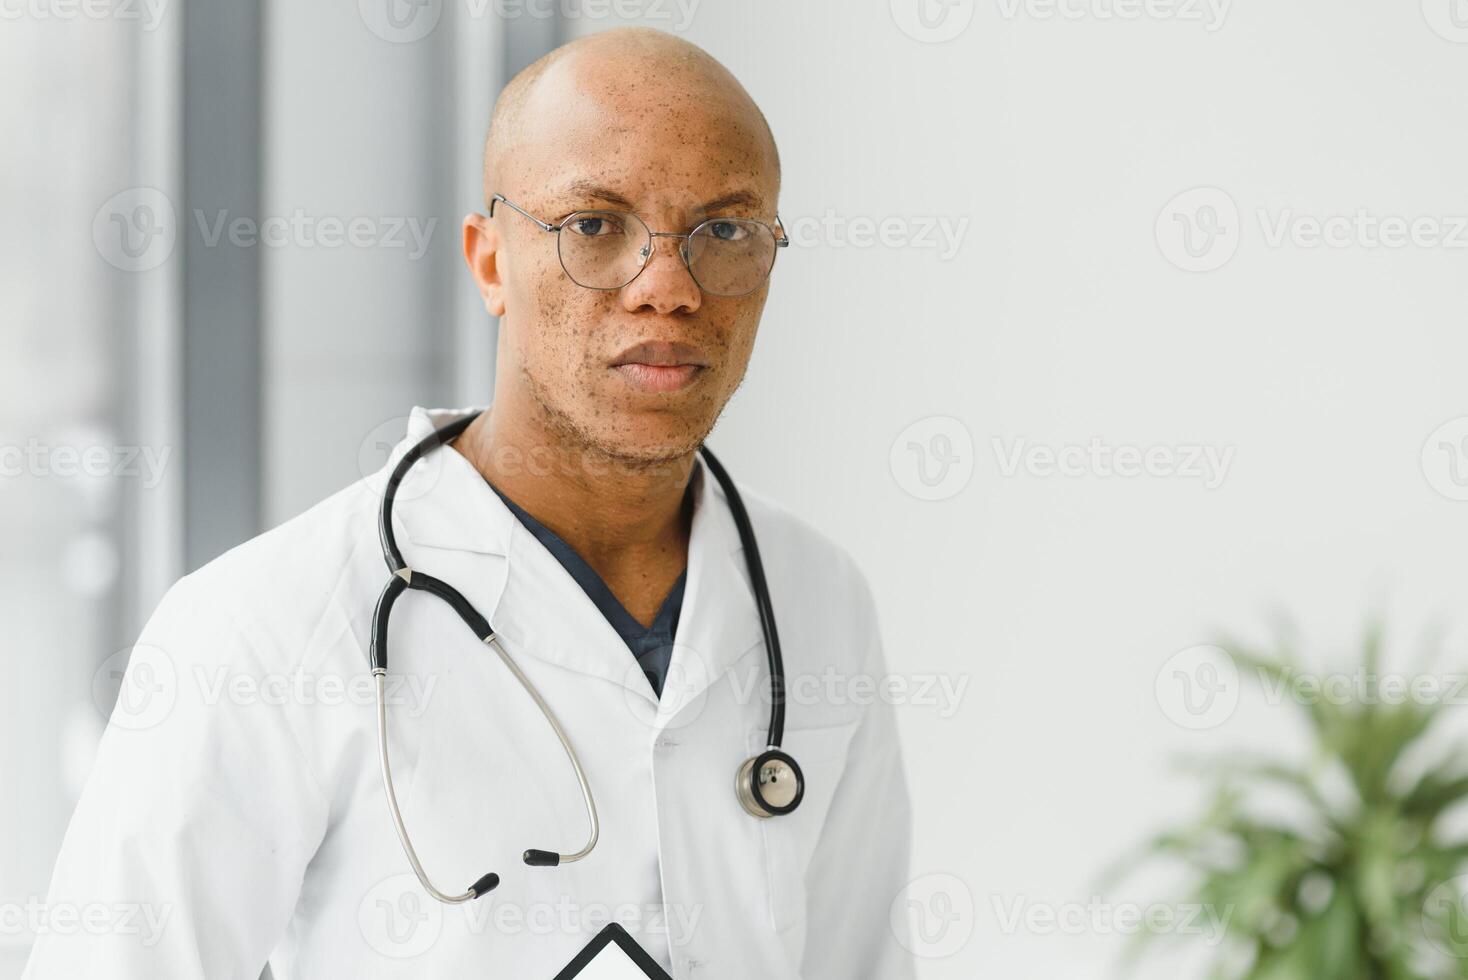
(661, 353)
(659, 365)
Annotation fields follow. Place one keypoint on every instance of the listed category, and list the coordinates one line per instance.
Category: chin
(635, 428)
(646, 437)
(641, 442)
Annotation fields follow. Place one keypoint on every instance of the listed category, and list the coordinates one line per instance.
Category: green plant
(1362, 879)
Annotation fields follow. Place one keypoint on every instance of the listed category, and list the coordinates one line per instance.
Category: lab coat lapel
(718, 623)
(545, 613)
(443, 502)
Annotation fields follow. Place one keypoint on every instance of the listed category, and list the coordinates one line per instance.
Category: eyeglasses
(609, 249)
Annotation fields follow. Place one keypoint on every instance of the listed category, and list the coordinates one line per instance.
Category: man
(244, 819)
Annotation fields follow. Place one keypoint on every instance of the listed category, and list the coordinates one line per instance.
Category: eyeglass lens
(607, 249)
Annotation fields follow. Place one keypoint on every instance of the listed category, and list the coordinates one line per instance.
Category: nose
(665, 285)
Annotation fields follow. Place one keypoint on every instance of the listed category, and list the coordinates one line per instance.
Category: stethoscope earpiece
(770, 785)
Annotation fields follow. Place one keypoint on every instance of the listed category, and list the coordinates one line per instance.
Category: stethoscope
(768, 785)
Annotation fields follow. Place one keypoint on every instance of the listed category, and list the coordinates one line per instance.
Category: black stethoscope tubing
(471, 617)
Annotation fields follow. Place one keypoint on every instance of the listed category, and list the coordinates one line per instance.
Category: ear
(481, 254)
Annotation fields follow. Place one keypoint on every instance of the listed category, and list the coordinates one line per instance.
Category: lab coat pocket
(790, 841)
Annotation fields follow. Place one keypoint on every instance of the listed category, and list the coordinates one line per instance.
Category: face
(639, 373)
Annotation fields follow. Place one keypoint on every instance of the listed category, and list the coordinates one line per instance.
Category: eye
(728, 231)
(594, 225)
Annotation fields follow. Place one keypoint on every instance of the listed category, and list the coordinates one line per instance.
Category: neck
(618, 516)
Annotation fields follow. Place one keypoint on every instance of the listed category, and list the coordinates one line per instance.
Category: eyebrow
(732, 199)
(591, 189)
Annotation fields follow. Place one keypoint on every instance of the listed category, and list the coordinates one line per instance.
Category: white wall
(1056, 144)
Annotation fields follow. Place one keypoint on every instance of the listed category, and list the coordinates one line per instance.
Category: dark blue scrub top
(651, 645)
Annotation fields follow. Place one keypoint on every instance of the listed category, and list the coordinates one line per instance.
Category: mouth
(660, 366)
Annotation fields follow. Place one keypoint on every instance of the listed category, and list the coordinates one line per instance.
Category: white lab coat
(235, 813)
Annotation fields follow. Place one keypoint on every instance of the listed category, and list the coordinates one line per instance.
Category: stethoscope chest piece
(770, 785)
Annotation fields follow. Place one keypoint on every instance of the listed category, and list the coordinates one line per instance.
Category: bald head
(636, 79)
(639, 122)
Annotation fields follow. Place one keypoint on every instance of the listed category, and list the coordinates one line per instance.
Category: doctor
(237, 813)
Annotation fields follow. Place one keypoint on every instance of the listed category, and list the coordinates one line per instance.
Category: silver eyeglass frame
(781, 241)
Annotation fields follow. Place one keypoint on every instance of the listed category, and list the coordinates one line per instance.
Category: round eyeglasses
(609, 249)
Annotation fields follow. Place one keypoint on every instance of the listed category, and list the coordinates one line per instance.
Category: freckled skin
(660, 123)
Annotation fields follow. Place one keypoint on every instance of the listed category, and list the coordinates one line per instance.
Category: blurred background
(1111, 328)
